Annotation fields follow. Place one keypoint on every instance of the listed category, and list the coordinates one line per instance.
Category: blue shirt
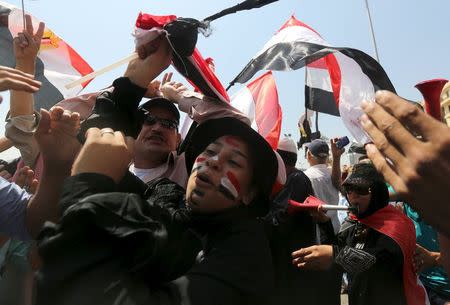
(13, 209)
(434, 278)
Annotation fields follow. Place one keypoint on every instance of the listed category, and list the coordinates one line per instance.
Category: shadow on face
(158, 136)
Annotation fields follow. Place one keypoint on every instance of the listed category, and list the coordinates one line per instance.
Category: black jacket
(289, 233)
(376, 275)
(116, 248)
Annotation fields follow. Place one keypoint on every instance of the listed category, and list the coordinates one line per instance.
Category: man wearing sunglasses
(155, 150)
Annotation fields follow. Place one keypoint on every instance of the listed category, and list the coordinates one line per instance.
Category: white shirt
(320, 176)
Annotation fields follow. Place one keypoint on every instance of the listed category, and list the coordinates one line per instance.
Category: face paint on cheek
(231, 184)
(233, 141)
(199, 162)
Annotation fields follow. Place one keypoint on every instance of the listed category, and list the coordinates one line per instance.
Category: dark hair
(289, 158)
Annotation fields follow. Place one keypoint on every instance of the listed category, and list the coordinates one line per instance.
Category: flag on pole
(186, 57)
(259, 102)
(353, 76)
(57, 63)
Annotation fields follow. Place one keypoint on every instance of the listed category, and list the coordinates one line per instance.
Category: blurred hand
(173, 91)
(27, 43)
(418, 170)
(336, 152)
(151, 63)
(315, 257)
(424, 259)
(154, 88)
(105, 152)
(13, 79)
(4, 173)
(320, 215)
(25, 179)
(56, 136)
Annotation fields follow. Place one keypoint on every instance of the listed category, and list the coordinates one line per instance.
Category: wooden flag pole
(91, 75)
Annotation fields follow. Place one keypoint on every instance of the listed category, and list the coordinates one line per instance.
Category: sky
(412, 39)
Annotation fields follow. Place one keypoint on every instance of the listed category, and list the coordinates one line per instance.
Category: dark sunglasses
(166, 123)
(360, 190)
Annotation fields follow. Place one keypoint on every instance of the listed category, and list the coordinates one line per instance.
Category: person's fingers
(301, 265)
(33, 186)
(393, 130)
(56, 113)
(29, 24)
(92, 134)
(167, 78)
(383, 167)
(14, 71)
(40, 31)
(382, 144)
(409, 115)
(141, 52)
(129, 142)
(28, 39)
(44, 123)
(18, 85)
(5, 174)
(21, 40)
(66, 115)
(301, 252)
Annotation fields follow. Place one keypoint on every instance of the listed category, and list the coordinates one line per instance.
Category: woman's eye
(210, 152)
(234, 163)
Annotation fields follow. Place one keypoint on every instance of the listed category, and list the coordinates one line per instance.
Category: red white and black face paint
(233, 141)
(199, 162)
(229, 186)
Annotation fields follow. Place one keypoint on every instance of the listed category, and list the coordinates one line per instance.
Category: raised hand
(418, 149)
(335, 151)
(105, 152)
(173, 91)
(25, 179)
(56, 136)
(151, 63)
(13, 79)
(27, 44)
(154, 88)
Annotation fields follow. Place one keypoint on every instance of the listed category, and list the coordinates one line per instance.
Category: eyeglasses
(166, 123)
(360, 190)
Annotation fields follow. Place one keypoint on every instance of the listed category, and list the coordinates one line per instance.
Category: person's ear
(248, 198)
(178, 139)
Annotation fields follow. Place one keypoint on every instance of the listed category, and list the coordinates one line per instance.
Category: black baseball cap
(161, 102)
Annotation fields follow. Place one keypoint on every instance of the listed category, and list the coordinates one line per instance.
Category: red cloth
(391, 222)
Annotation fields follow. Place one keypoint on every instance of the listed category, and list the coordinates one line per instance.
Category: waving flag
(57, 63)
(353, 76)
(259, 101)
(182, 34)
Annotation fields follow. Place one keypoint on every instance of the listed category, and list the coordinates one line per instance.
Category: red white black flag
(259, 102)
(352, 75)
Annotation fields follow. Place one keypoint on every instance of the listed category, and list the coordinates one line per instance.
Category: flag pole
(23, 15)
(372, 31)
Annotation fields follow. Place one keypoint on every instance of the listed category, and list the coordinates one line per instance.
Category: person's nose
(215, 162)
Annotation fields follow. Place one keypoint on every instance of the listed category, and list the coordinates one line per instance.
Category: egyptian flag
(390, 222)
(57, 63)
(353, 75)
(182, 35)
(259, 102)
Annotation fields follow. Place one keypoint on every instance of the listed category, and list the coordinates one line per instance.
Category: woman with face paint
(205, 246)
(374, 245)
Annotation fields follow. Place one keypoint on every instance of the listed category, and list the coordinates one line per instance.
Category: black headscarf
(365, 175)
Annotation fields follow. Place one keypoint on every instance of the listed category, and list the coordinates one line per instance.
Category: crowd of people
(103, 208)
